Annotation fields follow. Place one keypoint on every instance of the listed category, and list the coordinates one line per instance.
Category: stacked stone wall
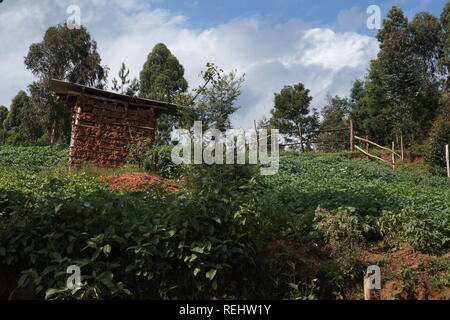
(102, 129)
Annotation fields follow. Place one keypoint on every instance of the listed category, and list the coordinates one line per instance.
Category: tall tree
(444, 62)
(395, 21)
(401, 90)
(426, 33)
(64, 54)
(162, 78)
(3, 114)
(15, 117)
(335, 115)
(358, 108)
(292, 110)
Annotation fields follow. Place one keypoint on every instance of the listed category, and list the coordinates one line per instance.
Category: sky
(324, 44)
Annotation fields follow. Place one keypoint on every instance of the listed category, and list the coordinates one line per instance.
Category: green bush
(428, 233)
(159, 160)
(154, 159)
(138, 153)
(154, 245)
(439, 137)
(345, 232)
(17, 138)
(200, 243)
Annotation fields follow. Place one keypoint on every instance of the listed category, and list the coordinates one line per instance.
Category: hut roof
(63, 89)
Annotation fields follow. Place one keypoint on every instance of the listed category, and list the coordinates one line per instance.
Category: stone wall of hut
(103, 128)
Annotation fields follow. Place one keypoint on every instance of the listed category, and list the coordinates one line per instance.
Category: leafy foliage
(440, 136)
(292, 109)
(154, 159)
(162, 78)
(201, 242)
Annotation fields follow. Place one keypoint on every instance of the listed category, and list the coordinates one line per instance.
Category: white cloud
(270, 55)
(337, 51)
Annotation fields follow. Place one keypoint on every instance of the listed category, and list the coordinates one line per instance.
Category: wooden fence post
(367, 292)
(301, 137)
(402, 147)
(447, 155)
(367, 147)
(351, 135)
(393, 155)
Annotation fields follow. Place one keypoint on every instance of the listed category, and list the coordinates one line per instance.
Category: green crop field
(203, 241)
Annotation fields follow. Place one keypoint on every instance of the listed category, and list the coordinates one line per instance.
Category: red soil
(137, 182)
(419, 287)
(408, 156)
(396, 284)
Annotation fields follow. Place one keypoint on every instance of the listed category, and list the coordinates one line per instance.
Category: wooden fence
(301, 132)
(391, 150)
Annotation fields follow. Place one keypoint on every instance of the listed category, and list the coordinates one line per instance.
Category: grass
(94, 171)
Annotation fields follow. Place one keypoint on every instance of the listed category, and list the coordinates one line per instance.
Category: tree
(291, 111)
(358, 107)
(64, 54)
(3, 114)
(67, 54)
(15, 117)
(162, 78)
(439, 137)
(401, 90)
(126, 86)
(396, 21)
(444, 61)
(426, 33)
(218, 102)
(335, 115)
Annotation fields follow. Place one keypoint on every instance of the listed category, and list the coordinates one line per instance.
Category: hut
(105, 123)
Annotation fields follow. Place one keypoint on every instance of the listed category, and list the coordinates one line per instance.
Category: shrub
(425, 233)
(17, 138)
(154, 245)
(154, 159)
(159, 160)
(344, 231)
(138, 152)
(439, 137)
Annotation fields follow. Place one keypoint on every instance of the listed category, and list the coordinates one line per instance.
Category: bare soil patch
(138, 182)
(410, 275)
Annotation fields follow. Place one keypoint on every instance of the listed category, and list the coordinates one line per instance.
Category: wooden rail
(377, 145)
(371, 155)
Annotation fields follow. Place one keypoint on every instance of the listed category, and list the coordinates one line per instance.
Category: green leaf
(211, 274)
(198, 249)
(107, 249)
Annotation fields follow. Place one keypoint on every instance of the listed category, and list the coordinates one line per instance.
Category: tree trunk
(53, 132)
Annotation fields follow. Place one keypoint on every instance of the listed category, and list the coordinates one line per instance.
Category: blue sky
(325, 44)
(207, 13)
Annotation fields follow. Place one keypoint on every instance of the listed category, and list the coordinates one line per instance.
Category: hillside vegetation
(300, 232)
